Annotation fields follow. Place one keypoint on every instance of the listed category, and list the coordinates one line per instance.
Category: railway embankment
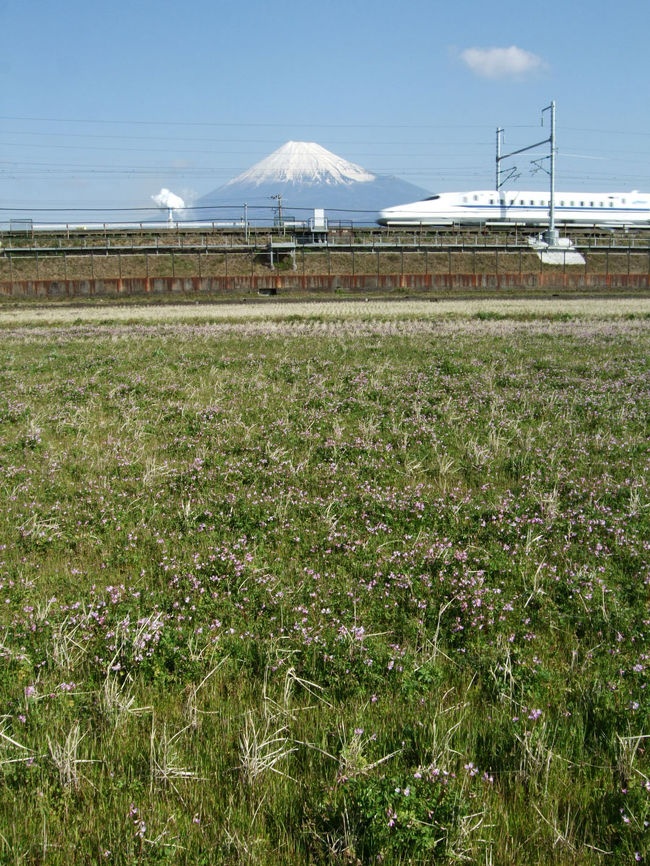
(87, 266)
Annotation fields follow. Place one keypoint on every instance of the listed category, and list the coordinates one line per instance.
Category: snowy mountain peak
(303, 162)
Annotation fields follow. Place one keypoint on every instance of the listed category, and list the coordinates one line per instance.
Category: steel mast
(552, 234)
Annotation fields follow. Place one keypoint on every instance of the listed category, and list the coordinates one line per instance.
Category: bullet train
(523, 207)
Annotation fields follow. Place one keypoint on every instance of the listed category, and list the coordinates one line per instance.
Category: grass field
(325, 584)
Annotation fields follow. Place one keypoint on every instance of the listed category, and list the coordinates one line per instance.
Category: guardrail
(255, 237)
(440, 244)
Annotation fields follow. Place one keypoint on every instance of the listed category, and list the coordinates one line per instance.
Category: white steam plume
(166, 198)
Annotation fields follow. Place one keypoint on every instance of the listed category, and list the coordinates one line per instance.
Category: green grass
(325, 591)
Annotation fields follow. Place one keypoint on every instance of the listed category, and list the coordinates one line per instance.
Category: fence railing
(72, 239)
(284, 258)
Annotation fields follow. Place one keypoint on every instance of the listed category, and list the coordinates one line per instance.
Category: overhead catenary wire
(254, 124)
(424, 160)
(306, 124)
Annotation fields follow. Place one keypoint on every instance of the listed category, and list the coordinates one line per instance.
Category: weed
(334, 583)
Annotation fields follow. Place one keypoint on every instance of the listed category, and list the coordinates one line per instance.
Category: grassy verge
(325, 587)
(107, 264)
(335, 312)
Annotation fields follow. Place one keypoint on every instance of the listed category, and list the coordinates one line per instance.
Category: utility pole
(551, 234)
(278, 198)
(498, 175)
(512, 172)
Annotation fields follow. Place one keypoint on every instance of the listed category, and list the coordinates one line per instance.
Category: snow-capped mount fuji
(303, 162)
(305, 176)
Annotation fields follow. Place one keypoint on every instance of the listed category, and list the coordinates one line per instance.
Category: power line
(256, 124)
(86, 147)
(302, 124)
(216, 141)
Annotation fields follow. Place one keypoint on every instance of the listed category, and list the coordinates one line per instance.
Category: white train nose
(391, 215)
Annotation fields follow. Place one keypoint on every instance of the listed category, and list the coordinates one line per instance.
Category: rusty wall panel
(293, 282)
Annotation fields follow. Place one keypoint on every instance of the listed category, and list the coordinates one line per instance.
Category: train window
(622, 201)
(465, 198)
(532, 202)
(611, 204)
(512, 201)
(601, 204)
(475, 198)
(491, 201)
(591, 204)
(561, 204)
(572, 203)
(521, 201)
(582, 204)
(431, 198)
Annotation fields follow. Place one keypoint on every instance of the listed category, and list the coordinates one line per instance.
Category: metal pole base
(552, 237)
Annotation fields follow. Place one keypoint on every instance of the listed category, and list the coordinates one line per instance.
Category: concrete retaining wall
(288, 282)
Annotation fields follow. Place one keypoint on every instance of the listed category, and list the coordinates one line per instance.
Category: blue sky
(102, 104)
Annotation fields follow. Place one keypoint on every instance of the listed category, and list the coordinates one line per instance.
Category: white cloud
(510, 62)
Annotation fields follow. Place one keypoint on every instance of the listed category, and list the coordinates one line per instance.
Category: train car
(523, 207)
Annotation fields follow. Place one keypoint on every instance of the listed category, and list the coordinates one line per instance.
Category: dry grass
(615, 308)
(109, 264)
